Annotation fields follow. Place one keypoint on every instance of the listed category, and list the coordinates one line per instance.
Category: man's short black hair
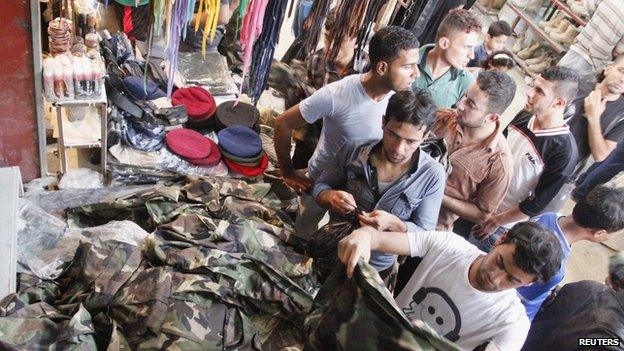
(537, 250)
(500, 58)
(566, 81)
(602, 208)
(616, 271)
(458, 20)
(499, 28)
(615, 61)
(500, 89)
(414, 107)
(388, 42)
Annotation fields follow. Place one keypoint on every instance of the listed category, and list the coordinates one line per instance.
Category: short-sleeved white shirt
(440, 294)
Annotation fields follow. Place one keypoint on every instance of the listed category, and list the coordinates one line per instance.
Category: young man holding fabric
(351, 109)
(467, 296)
(398, 185)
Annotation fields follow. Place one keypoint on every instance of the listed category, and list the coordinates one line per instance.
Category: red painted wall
(18, 121)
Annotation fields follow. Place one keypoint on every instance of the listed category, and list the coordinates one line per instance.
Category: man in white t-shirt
(467, 296)
(351, 109)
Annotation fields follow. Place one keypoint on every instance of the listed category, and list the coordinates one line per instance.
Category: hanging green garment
(360, 314)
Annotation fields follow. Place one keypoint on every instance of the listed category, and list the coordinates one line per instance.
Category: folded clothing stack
(241, 148)
(193, 147)
(200, 105)
(231, 113)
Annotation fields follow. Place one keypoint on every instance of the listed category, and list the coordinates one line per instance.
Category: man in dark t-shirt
(596, 118)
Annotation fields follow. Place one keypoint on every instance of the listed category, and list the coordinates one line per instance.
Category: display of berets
(246, 170)
(240, 141)
(247, 161)
(212, 159)
(231, 113)
(189, 143)
(141, 89)
(200, 104)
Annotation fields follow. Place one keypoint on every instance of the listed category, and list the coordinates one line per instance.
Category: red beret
(246, 170)
(212, 159)
(198, 101)
(189, 144)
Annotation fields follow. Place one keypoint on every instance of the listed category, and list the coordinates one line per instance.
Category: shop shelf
(558, 48)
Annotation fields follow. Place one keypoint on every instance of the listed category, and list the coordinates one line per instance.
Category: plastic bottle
(59, 84)
(99, 74)
(79, 78)
(48, 79)
(68, 78)
(88, 78)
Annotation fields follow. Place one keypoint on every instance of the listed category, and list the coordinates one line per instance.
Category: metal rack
(101, 104)
(524, 67)
(556, 4)
(558, 48)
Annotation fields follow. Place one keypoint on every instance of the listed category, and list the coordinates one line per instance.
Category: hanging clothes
(387, 15)
(368, 22)
(427, 27)
(177, 23)
(407, 16)
(349, 17)
(264, 48)
(250, 30)
(307, 42)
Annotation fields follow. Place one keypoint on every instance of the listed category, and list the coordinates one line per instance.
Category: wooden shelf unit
(558, 48)
(563, 7)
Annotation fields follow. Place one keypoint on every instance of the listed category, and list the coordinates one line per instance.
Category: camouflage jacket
(360, 314)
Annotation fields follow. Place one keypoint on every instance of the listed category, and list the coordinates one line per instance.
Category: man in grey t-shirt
(351, 109)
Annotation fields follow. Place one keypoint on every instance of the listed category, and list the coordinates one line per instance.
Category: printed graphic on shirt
(434, 307)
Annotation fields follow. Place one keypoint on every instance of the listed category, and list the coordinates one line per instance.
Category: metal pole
(35, 27)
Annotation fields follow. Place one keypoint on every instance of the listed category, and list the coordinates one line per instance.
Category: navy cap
(240, 141)
(141, 90)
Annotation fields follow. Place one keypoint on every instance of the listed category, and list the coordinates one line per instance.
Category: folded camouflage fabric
(216, 273)
(360, 314)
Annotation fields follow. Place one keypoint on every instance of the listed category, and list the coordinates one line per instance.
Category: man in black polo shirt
(596, 118)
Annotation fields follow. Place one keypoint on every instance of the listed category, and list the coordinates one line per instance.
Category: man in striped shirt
(601, 40)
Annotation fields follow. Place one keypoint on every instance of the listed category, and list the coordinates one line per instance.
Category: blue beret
(240, 141)
(135, 86)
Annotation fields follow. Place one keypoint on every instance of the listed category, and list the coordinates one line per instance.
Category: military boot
(539, 67)
(528, 52)
(538, 56)
(560, 27)
(565, 38)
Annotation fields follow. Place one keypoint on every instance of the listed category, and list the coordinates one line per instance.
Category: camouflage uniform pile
(217, 272)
